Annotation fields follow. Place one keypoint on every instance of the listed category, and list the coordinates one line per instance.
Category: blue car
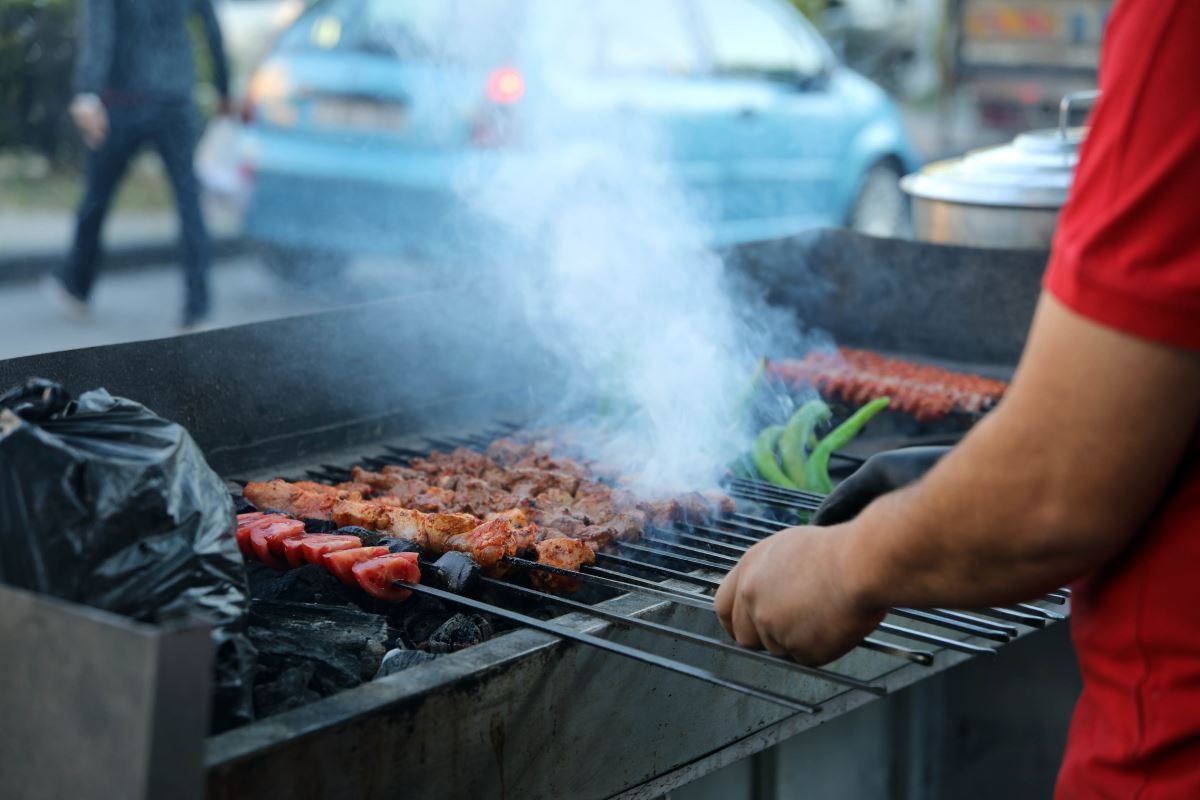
(370, 122)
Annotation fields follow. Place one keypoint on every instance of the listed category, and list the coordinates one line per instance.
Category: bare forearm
(1051, 485)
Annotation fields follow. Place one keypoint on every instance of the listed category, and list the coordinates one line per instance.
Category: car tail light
(505, 86)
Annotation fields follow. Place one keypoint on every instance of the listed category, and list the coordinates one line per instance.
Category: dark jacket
(140, 50)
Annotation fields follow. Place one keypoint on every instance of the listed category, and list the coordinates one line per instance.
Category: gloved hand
(882, 473)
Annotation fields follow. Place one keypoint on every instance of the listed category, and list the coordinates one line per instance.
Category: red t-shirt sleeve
(1127, 250)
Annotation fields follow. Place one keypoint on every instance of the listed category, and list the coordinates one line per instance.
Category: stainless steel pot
(1007, 196)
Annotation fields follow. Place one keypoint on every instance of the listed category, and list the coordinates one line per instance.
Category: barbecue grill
(542, 700)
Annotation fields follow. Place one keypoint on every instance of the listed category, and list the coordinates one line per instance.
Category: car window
(752, 37)
(454, 31)
(646, 36)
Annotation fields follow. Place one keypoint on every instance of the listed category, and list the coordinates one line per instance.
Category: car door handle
(748, 113)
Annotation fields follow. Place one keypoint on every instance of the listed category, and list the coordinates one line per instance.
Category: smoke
(608, 255)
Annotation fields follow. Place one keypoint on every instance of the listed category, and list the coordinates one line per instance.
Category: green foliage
(37, 52)
(813, 9)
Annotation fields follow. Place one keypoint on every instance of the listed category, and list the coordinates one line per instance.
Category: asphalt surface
(147, 303)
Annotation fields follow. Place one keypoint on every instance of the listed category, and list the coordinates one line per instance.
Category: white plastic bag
(218, 163)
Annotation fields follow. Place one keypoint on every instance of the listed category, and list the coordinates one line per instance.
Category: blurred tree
(37, 51)
(813, 9)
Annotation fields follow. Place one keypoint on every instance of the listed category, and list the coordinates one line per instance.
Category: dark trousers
(173, 128)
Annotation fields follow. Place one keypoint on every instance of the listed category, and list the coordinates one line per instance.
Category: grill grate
(684, 563)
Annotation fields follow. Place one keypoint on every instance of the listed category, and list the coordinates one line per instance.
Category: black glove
(882, 473)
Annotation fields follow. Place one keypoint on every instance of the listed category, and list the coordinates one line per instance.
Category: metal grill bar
(782, 491)
(691, 638)
(648, 537)
(666, 572)
(610, 647)
(922, 657)
(929, 638)
(952, 624)
(691, 562)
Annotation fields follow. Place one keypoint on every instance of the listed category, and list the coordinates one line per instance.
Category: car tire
(881, 207)
(302, 266)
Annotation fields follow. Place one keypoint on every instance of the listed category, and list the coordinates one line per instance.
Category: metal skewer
(689, 637)
(666, 572)
(610, 647)
(699, 601)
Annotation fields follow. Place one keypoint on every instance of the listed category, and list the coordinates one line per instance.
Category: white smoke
(616, 275)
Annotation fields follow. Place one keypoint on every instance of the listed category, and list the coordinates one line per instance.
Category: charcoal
(456, 572)
(241, 505)
(369, 538)
(289, 689)
(307, 648)
(395, 545)
(418, 626)
(399, 660)
(461, 630)
(318, 525)
(307, 584)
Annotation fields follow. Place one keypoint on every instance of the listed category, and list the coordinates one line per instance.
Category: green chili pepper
(816, 471)
(764, 457)
(794, 442)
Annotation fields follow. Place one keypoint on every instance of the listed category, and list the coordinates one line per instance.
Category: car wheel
(882, 208)
(302, 266)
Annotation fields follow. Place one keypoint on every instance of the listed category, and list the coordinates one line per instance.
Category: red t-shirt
(1127, 255)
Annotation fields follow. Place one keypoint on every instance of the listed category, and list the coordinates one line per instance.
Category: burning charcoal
(308, 584)
(399, 660)
(318, 525)
(456, 572)
(342, 647)
(461, 630)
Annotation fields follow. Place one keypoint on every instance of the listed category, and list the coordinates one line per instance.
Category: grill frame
(225, 386)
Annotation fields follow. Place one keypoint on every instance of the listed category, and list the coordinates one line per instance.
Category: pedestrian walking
(134, 80)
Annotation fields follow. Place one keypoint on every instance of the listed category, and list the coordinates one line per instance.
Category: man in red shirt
(1088, 471)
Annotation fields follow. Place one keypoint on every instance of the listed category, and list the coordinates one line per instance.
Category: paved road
(145, 304)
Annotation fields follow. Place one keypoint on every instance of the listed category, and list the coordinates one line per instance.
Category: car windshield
(441, 31)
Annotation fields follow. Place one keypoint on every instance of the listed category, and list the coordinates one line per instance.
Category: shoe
(67, 303)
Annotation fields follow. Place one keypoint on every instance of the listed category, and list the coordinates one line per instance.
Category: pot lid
(1033, 171)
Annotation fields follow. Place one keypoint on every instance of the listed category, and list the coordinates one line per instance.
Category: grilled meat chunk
(300, 499)
(487, 544)
(563, 553)
(427, 530)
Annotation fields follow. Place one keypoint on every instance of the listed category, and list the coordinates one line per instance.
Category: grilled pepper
(816, 471)
(794, 443)
(764, 457)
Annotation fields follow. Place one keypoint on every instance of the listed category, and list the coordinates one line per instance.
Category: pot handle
(1064, 108)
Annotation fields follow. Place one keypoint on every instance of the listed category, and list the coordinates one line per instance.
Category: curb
(26, 266)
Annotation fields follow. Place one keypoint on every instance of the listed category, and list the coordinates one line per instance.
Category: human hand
(91, 118)
(224, 107)
(882, 473)
(790, 594)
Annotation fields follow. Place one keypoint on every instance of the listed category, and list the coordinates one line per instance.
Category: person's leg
(103, 172)
(176, 133)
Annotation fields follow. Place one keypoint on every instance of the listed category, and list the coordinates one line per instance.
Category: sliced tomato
(292, 553)
(375, 575)
(341, 563)
(275, 541)
(262, 535)
(315, 545)
(247, 523)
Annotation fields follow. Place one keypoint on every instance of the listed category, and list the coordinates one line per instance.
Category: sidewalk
(32, 241)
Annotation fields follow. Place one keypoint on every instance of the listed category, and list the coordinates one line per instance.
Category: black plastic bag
(104, 503)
